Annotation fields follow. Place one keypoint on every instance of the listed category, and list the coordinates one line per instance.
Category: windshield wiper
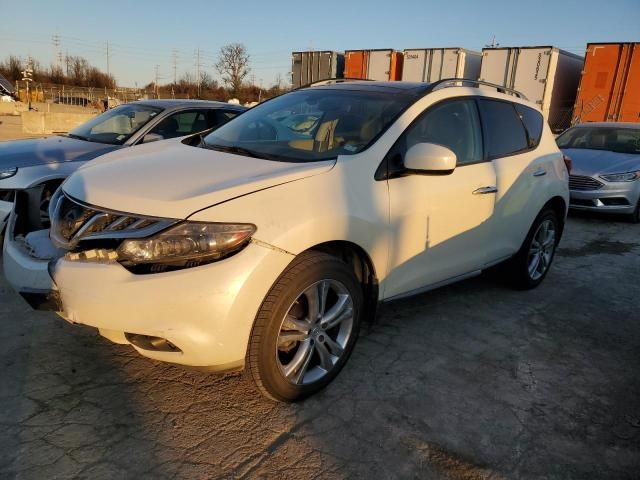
(239, 150)
(77, 137)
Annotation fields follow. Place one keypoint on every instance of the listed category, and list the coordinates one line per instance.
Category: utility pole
(174, 58)
(56, 46)
(493, 43)
(109, 62)
(27, 76)
(198, 65)
(156, 82)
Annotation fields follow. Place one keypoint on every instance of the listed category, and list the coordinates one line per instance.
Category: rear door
(439, 222)
(531, 72)
(520, 170)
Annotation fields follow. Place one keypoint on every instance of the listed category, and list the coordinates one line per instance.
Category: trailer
(380, 64)
(309, 67)
(610, 84)
(433, 64)
(547, 76)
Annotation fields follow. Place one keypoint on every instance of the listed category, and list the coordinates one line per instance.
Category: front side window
(453, 124)
(181, 124)
(116, 125)
(504, 132)
(310, 125)
(621, 140)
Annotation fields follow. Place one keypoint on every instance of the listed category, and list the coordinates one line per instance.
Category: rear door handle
(484, 190)
(540, 173)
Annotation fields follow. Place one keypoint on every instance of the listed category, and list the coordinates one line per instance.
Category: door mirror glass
(152, 137)
(429, 158)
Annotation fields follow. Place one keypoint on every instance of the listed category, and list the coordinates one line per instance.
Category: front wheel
(306, 328)
(528, 268)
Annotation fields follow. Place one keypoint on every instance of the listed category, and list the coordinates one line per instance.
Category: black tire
(262, 364)
(517, 268)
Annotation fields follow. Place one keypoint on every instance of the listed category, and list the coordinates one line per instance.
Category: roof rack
(332, 81)
(463, 82)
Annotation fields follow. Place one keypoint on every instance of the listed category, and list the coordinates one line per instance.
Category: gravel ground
(471, 381)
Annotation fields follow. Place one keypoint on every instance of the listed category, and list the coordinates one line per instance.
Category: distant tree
(11, 68)
(233, 66)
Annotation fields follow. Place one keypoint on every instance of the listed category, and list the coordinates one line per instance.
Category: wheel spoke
(292, 323)
(288, 337)
(533, 266)
(298, 365)
(316, 299)
(336, 311)
(325, 357)
(333, 346)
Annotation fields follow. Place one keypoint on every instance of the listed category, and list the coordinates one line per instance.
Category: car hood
(40, 151)
(592, 162)
(173, 180)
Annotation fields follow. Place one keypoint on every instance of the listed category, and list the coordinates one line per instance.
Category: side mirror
(152, 137)
(430, 159)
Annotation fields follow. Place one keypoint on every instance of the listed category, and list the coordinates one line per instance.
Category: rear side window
(533, 121)
(504, 132)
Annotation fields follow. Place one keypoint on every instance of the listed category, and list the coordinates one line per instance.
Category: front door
(438, 223)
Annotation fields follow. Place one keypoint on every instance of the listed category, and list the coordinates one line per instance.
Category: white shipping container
(433, 64)
(547, 76)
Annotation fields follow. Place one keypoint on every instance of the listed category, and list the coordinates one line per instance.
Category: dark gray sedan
(605, 176)
(38, 166)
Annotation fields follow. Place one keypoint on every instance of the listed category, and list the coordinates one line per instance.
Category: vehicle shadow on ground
(467, 382)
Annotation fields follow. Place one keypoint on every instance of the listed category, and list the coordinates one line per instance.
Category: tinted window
(181, 124)
(311, 124)
(504, 132)
(532, 120)
(455, 125)
(117, 125)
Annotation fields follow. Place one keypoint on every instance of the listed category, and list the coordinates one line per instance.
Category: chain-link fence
(79, 96)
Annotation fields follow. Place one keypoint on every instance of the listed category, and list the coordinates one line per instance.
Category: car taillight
(567, 162)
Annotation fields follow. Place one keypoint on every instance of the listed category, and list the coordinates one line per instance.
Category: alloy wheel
(541, 250)
(315, 332)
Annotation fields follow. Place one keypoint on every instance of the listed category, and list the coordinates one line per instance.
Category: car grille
(578, 182)
(73, 222)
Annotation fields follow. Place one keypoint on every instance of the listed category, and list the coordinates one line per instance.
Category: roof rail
(331, 81)
(463, 82)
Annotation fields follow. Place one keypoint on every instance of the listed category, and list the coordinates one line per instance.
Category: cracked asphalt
(471, 381)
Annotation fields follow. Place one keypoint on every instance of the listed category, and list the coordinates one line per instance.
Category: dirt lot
(471, 381)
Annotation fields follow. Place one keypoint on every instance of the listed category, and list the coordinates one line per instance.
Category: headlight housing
(187, 244)
(621, 177)
(8, 172)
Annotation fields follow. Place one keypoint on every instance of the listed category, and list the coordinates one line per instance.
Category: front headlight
(8, 172)
(186, 244)
(621, 177)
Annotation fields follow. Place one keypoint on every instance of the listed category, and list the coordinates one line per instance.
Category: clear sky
(143, 34)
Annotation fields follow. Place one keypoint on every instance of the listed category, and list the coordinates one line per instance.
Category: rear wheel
(531, 264)
(306, 328)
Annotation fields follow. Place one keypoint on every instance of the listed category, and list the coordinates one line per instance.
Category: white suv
(268, 243)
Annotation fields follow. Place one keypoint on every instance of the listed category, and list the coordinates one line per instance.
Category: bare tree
(233, 66)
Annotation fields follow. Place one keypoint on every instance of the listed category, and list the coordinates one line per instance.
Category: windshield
(621, 140)
(117, 125)
(310, 125)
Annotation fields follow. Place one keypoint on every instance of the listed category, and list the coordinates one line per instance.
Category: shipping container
(547, 76)
(433, 64)
(382, 64)
(610, 84)
(308, 67)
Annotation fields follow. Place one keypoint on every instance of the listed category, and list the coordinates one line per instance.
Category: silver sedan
(36, 167)
(606, 167)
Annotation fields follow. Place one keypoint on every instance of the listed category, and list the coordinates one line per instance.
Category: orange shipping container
(383, 64)
(610, 84)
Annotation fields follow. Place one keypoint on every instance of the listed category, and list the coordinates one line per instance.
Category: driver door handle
(485, 190)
